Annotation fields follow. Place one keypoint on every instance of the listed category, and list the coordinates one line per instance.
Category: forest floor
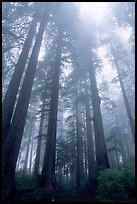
(58, 197)
(80, 197)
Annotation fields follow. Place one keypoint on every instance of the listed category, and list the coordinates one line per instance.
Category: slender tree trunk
(50, 151)
(122, 146)
(80, 166)
(100, 146)
(37, 159)
(116, 151)
(14, 137)
(31, 153)
(11, 94)
(90, 144)
(27, 150)
(85, 152)
(131, 121)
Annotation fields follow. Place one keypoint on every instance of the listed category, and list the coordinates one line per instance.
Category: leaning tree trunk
(131, 121)
(50, 151)
(80, 165)
(100, 146)
(90, 144)
(14, 137)
(11, 94)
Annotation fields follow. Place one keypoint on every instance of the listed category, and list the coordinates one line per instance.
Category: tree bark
(50, 151)
(85, 153)
(31, 152)
(14, 137)
(100, 146)
(11, 94)
(80, 165)
(90, 144)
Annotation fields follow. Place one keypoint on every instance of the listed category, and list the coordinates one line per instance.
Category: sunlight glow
(96, 10)
(107, 70)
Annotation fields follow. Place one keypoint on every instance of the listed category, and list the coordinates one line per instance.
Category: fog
(68, 101)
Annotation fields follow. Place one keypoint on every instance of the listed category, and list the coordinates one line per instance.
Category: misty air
(68, 102)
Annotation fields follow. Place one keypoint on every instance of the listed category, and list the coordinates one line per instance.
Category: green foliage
(129, 184)
(116, 186)
(25, 180)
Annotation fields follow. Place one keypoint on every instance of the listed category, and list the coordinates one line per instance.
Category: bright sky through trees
(96, 10)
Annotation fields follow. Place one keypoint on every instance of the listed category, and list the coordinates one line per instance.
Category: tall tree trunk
(116, 151)
(80, 165)
(50, 150)
(27, 150)
(131, 121)
(37, 159)
(31, 153)
(122, 141)
(90, 144)
(14, 137)
(85, 152)
(100, 146)
(11, 94)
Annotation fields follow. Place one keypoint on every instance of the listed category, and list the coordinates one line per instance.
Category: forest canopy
(68, 99)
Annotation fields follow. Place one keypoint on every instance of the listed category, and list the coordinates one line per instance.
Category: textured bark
(11, 94)
(131, 121)
(90, 145)
(50, 151)
(14, 137)
(100, 146)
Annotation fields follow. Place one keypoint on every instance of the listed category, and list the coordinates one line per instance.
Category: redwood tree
(90, 144)
(131, 121)
(11, 94)
(101, 152)
(49, 157)
(14, 137)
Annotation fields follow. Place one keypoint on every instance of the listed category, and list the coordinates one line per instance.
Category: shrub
(128, 181)
(116, 186)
